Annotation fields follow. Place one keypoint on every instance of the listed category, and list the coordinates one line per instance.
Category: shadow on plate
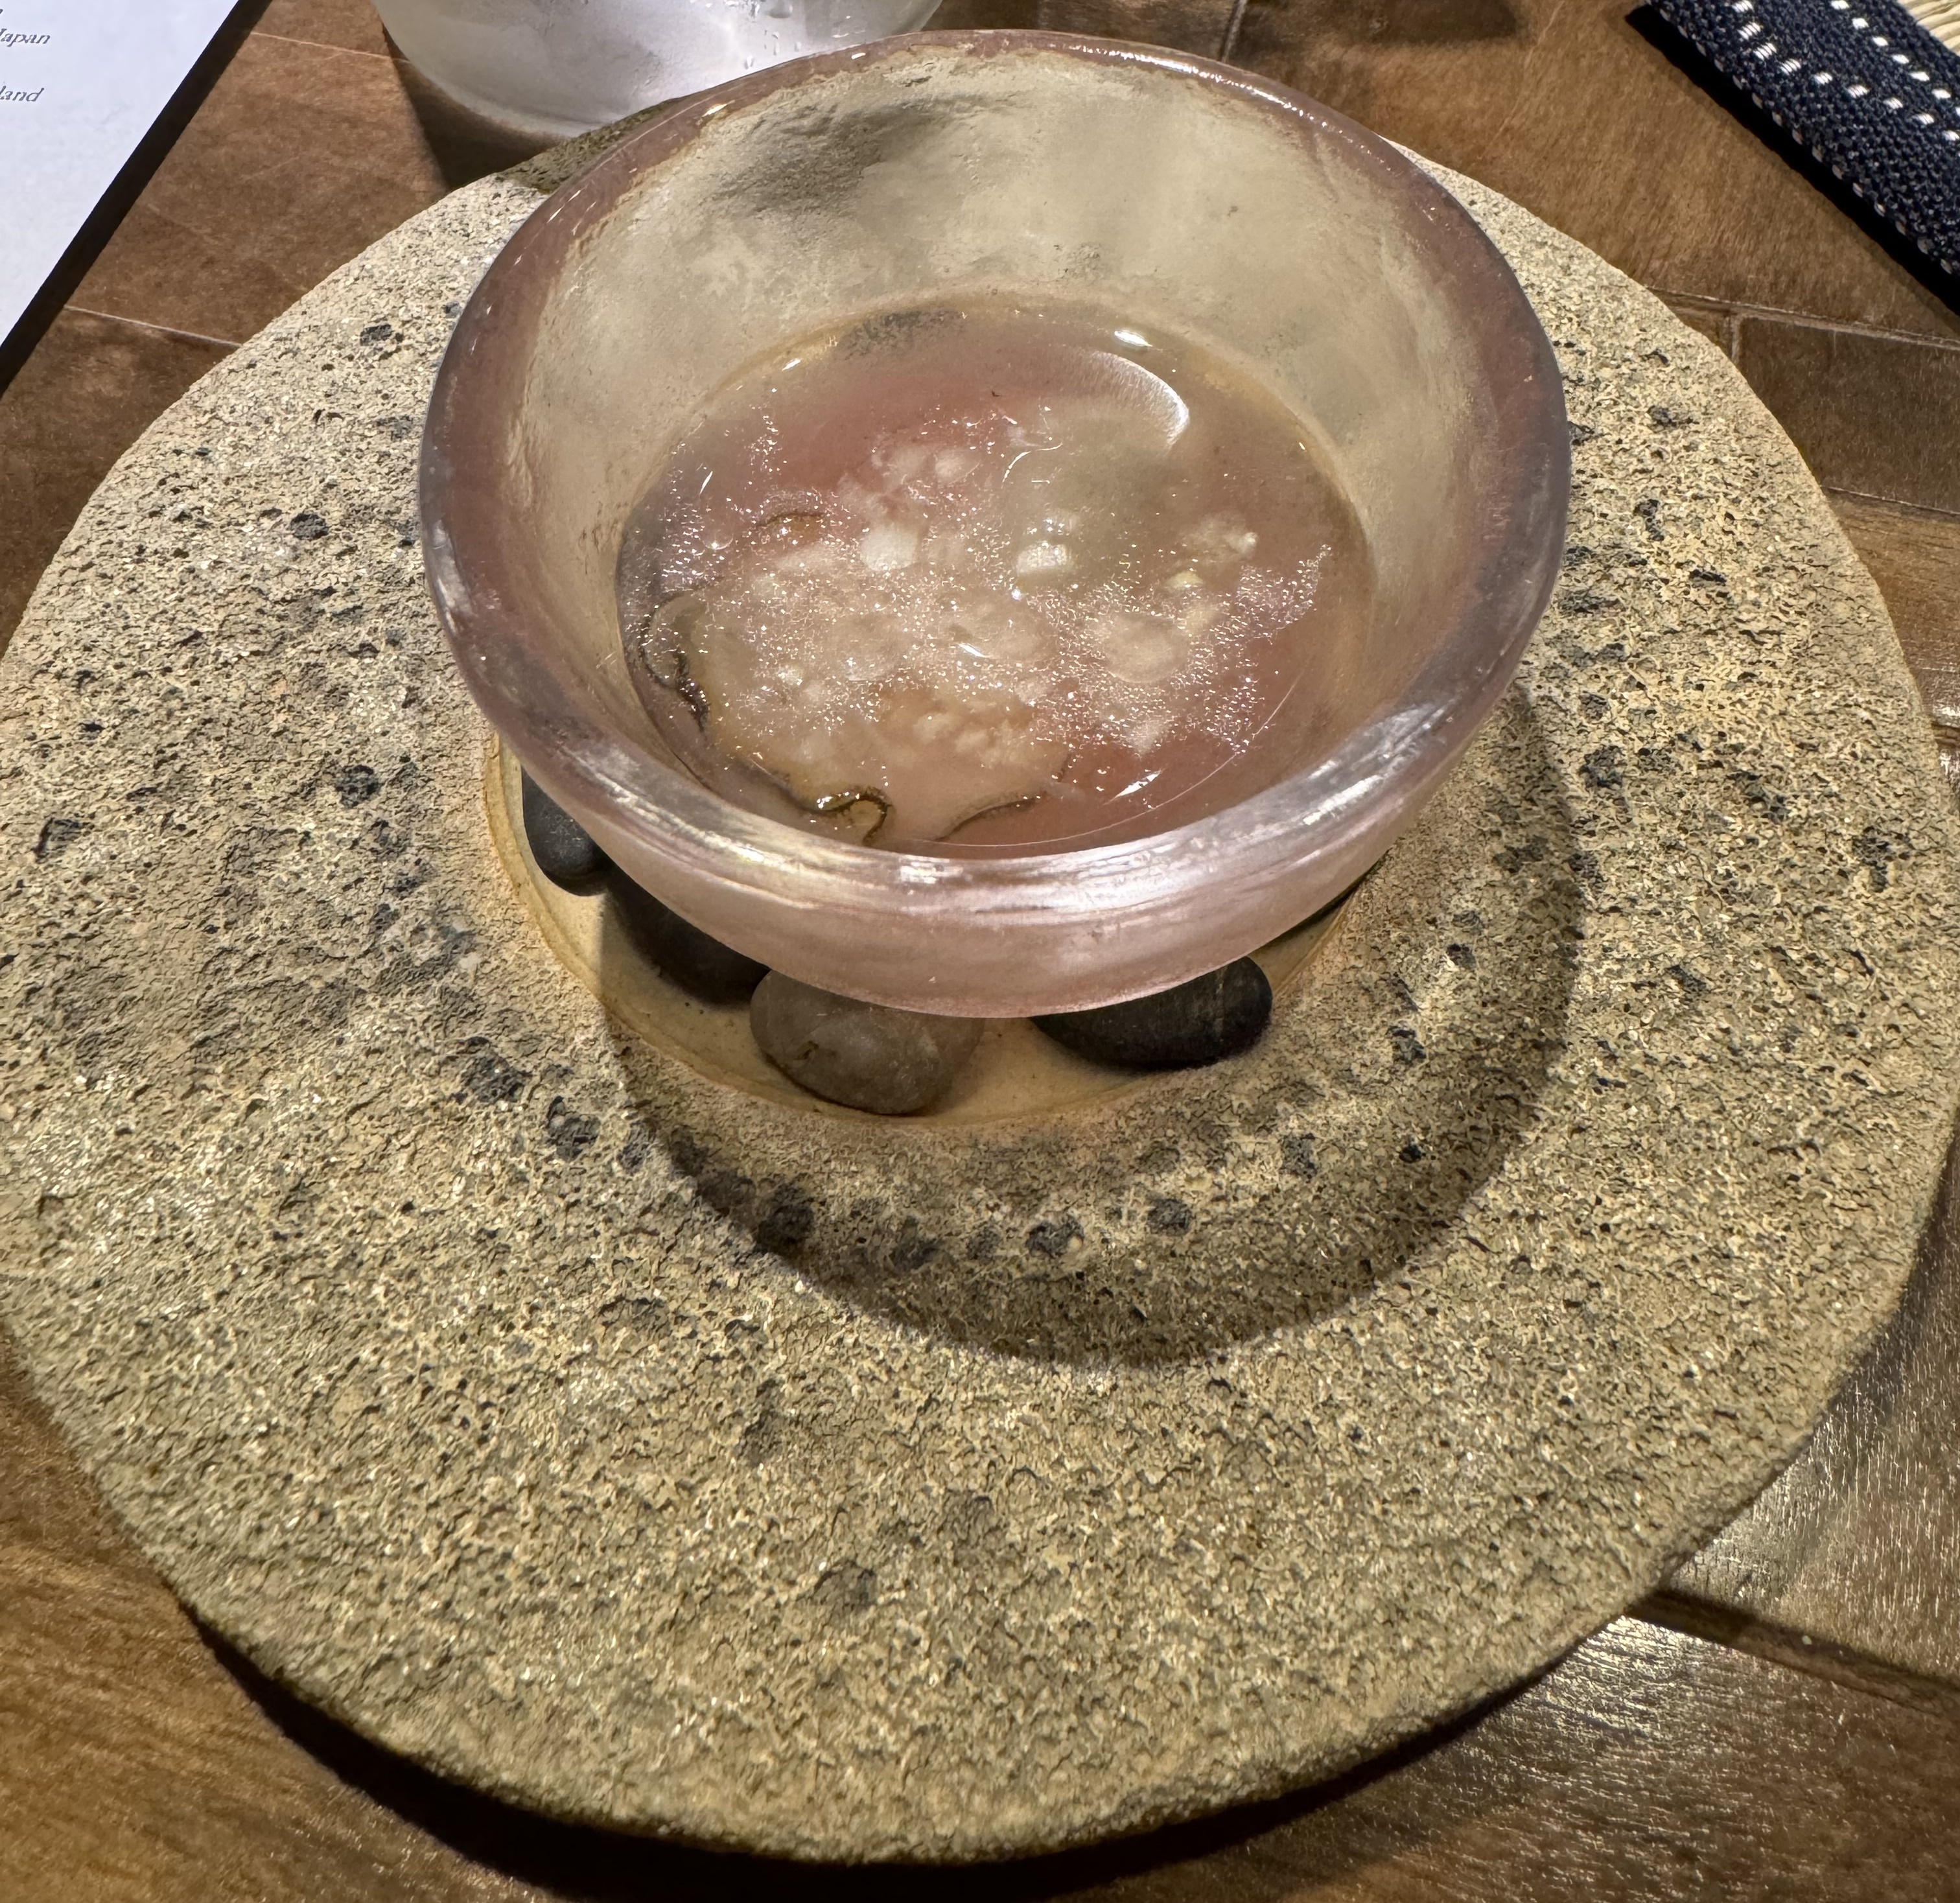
(1161, 1219)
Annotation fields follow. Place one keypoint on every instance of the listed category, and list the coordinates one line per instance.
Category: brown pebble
(868, 1056)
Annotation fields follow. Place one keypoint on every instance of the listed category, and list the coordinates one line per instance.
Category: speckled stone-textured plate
(655, 1451)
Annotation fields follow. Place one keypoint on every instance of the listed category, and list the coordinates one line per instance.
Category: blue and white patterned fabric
(1863, 85)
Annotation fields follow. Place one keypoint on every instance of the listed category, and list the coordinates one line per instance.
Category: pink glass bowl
(920, 170)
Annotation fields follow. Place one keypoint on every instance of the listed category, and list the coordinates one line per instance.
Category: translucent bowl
(921, 171)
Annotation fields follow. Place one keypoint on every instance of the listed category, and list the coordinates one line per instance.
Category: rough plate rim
(63, 1283)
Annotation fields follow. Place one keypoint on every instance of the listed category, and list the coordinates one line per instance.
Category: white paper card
(81, 82)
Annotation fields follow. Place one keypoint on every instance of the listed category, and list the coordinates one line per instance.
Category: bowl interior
(939, 170)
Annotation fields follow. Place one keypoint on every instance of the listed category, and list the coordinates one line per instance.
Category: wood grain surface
(1858, 1542)
(1781, 1723)
(1914, 557)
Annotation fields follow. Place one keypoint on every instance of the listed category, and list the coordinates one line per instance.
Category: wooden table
(1783, 1722)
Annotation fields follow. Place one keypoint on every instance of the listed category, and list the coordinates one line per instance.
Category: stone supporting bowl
(924, 171)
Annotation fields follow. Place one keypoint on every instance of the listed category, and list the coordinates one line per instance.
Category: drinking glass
(544, 70)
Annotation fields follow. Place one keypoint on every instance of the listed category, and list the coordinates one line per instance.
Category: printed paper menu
(81, 82)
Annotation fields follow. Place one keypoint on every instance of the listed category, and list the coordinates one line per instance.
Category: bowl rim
(1343, 808)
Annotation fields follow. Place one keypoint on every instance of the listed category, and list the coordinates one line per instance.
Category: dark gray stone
(868, 1056)
(566, 854)
(701, 966)
(1219, 1015)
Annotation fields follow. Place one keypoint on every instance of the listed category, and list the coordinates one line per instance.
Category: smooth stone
(703, 967)
(1220, 1014)
(566, 854)
(868, 1056)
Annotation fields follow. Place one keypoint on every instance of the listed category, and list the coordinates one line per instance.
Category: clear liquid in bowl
(993, 580)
